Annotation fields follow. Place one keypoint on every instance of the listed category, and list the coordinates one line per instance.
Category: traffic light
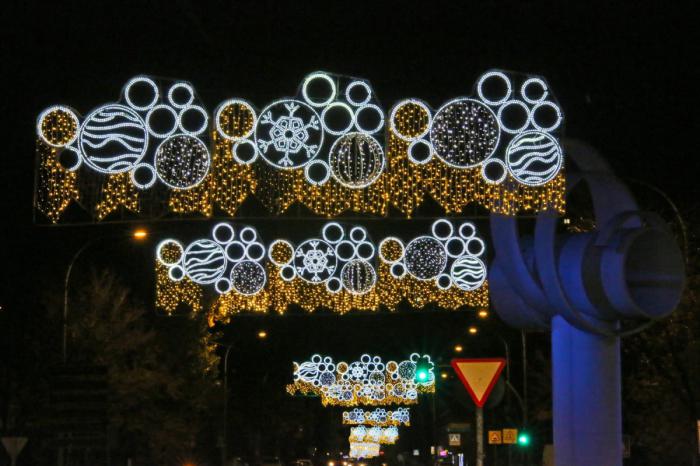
(523, 439)
(423, 370)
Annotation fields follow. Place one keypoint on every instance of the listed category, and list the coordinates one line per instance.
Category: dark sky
(625, 75)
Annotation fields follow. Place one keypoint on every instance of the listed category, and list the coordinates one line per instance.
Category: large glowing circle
(288, 134)
(356, 160)
(113, 139)
(182, 161)
(314, 260)
(358, 276)
(248, 277)
(58, 126)
(534, 158)
(465, 132)
(425, 257)
(468, 273)
(204, 261)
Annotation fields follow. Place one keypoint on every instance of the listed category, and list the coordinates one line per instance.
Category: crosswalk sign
(495, 437)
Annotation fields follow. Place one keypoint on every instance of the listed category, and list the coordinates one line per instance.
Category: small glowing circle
(338, 132)
(201, 111)
(528, 84)
(369, 107)
(326, 175)
(143, 167)
(490, 75)
(138, 80)
(312, 77)
(504, 107)
(237, 158)
(156, 108)
(175, 87)
(410, 106)
(354, 84)
(58, 126)
(327, 232)
(235, 119)
(554, 125)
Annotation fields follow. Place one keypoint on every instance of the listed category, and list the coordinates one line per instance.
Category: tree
(162, 373)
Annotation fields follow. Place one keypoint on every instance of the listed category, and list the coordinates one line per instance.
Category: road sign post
(479, 376)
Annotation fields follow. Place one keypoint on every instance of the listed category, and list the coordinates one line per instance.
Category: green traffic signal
(524, 439)
(423, 368)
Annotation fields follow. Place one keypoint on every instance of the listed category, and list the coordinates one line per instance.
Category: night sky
(626, 78)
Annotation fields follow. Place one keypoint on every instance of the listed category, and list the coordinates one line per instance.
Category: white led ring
(221, 108)
(522, 105)
(363, 85)
(392, 117)
(492, 74)
(141, 79)
(311, 77)
(201, 111)
(176, 121)
(171, 95)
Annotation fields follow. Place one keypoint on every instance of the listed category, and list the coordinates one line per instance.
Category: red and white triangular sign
(479, 376)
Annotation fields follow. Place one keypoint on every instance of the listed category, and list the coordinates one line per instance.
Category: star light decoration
(340, 269)
(331, 148)
(367, 381)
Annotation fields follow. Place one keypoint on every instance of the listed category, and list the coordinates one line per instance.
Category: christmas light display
(331, 148)
(360, 450)
(381, 435)
(367, 381)
(378, 417)
(340, 269)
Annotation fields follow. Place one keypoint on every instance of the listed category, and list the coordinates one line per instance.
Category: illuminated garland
(367, 381)
(382, 435)
(333, 150)
(341, 269)
(360, 450)
(378, 417)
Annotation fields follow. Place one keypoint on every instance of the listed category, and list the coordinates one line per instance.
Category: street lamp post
(139, 235)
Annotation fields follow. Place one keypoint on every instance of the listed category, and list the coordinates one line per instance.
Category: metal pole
(479, 436)
(64, 345)
(224, 447)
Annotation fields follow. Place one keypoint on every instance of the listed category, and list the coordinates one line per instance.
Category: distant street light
(140, 234)
(458, 348)
(262, 334)
(473, 330)
(483, 313)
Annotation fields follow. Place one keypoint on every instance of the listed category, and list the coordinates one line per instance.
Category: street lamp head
(262, 334)
(473, 330)
(458, 348)
(140, 234)
(483, 313)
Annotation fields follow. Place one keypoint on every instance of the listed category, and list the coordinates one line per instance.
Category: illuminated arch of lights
(341, 268)
(377, 417)
(367, 381)
(333, 141)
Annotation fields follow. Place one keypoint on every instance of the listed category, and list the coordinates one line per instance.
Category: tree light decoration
(378, 417)
(332, 153)
(367, 381)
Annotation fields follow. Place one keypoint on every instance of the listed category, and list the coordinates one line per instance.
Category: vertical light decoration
(56, 186)
(117, 191)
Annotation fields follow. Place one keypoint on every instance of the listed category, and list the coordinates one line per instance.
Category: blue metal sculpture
(585, 287)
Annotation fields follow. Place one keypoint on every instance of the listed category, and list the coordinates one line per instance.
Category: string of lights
(367, 381)
(333, 150)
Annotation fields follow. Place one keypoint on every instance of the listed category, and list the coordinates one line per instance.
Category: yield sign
(479, 376)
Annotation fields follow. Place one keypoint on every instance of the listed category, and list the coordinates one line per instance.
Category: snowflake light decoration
(289, 134)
